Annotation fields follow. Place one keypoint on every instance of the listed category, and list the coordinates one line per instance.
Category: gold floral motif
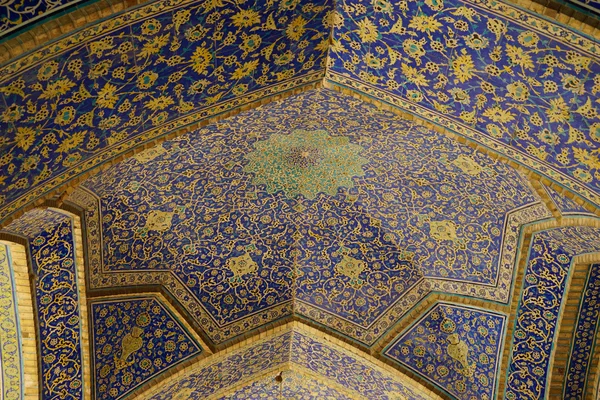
(459, 351)
(352, 268)
(396, 396)
(183, 394)
(467, 165)
(241, 265)
(158, 220)
(131, 343)
(150, 154)
(443, 230)
(306, 162)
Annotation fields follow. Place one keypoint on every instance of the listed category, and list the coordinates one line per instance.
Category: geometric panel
(588, 317)
(455, 347)
(134, 340)
(541, 300)
(11, 366)
(504, 77)
(52, 248)
(151, 70)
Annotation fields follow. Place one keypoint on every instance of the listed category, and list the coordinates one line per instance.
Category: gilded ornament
(159, 220)
(459, 350)
(240, 266)
(183, 394)
(352, 268)
(130, 343)
(150, 154)
(468, 165)
(443, 230)
(305, 163)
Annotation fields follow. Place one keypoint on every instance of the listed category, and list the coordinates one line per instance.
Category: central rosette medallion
(305, 162)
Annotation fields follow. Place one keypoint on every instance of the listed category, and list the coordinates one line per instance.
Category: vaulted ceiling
(197, 197)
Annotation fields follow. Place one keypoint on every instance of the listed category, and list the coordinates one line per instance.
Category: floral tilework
(456, 348)
(152, 70)
(501, 76)
(247, 230)
(301, 357)
(550, 257)
(11, 378)
(242, 365)
(52, 249)
(135, 340)
(348, 370)
(576, 375)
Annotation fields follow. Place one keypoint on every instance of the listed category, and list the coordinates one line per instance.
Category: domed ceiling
(318, 205)
(227, 217)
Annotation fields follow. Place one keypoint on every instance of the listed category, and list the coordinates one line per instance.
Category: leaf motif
(397, 27)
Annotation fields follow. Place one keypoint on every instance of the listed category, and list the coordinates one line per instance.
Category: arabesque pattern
(565, 205)
(135, 340)
(550, 257)
(264, 356)
(293, 352)
(52, 247)
(107, 88)
(17, 15)
(243, 250)
(295, 385)
(11, 360)
(501, 76)
(456, 347)
(582, 346)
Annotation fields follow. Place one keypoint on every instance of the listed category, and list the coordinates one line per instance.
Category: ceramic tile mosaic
(510, 80)
(17, 15)
(11, 378)
(92, 95)
(135, 340)
(565, 205)
(223, 372)
(349, 370)
(584, 337)
(52, 249)
(294, 353)
(541, 300)
(320, 199)
(457, 348)
(293, 386)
